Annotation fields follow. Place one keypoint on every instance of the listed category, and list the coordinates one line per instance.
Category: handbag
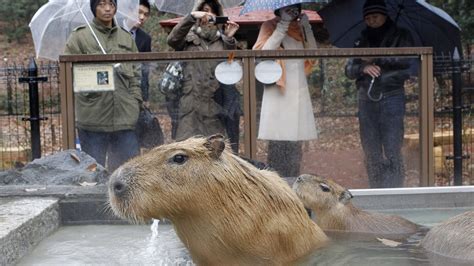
(148, 129)
(172, 79)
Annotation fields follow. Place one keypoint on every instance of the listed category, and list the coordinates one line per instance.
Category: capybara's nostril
(119, 187)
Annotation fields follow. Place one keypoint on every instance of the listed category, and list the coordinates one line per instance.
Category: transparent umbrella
(54, 21)
(183, 7)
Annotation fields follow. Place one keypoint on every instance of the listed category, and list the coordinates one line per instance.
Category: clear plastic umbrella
(53, 23)
(184, 7)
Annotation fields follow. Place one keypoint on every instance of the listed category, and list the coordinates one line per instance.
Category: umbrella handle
(89, 25)
(369, 92)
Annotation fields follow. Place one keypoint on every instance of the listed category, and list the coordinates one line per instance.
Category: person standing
(199, 114)
(381, 96)
(143, 42)
(106, 120)
(286, 116)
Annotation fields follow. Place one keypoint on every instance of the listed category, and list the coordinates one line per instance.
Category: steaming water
(138, 245)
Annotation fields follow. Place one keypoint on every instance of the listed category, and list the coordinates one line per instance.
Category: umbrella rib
(65, 14)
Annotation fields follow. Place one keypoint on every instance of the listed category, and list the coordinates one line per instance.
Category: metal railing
(19, 143)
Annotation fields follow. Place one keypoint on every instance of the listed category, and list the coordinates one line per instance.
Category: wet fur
(334, 210)
(453, 238)
(225, 211)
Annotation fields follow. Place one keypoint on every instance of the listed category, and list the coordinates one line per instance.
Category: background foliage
(463, 13)
(15, 16)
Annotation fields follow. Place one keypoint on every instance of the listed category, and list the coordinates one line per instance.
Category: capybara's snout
(118, 183)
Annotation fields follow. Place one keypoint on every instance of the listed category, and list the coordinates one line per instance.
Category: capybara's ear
(216, 145)
(345, 196)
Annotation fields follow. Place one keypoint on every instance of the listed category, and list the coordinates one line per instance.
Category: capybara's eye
(179, 158)
(324, 187)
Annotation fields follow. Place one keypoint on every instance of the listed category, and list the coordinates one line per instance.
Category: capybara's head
(317, 192)
(188, 177)
(167, 180)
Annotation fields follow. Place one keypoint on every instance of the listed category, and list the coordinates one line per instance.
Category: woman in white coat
(286, 116)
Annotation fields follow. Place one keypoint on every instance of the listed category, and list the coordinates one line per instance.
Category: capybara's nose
(119, 187)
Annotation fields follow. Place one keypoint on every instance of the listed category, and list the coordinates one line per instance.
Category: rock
(69, 167)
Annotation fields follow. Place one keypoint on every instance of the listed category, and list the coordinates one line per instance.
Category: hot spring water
(139, 245)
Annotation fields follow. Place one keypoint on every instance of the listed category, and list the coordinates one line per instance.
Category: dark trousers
(285, 157)
(117, 147)
(381, 133)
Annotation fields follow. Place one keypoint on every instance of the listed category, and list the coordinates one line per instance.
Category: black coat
(394, 70)
(143, 42)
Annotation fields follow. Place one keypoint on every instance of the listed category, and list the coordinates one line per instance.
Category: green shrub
(16, 15)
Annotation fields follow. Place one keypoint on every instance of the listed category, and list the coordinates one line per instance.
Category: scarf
(207, 33)
(294, 31)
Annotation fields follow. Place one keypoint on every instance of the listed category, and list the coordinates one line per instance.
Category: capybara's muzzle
(118, 183)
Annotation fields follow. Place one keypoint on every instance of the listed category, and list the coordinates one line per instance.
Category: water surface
(138, 245)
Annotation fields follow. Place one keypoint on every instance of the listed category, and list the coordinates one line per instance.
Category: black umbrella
(429, 25)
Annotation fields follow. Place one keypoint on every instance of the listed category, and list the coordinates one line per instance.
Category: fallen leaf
(92, 167)
(388, 242)
(75, 157)
(87, 184)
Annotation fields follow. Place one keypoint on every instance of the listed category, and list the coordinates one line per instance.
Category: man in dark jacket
(380, 84)
(143, 42)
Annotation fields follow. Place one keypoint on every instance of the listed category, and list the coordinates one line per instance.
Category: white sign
(229, 73)
(268, 72)
(93, 78)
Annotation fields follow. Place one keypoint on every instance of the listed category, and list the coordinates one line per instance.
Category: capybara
(453, 238)
(224, 210)
(334, 211)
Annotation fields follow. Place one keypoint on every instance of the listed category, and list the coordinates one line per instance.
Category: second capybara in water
(453, 238)
(334, 211)
(224, 210)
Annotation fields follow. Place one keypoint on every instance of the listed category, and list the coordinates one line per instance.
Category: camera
(219, 20)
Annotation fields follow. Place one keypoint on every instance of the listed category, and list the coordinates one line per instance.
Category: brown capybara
(453, 238)
(224, 210)
(334, 211)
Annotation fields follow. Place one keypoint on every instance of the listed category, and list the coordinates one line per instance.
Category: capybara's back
(225, 211)
(453, 238)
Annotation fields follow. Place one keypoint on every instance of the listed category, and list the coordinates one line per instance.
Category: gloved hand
(304, 20)
(309, 41)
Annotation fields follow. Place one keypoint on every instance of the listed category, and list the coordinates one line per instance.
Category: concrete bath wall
(24, 222)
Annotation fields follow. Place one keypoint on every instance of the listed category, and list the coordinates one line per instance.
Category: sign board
(268, 72)
(229, 73)
(93, 78)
